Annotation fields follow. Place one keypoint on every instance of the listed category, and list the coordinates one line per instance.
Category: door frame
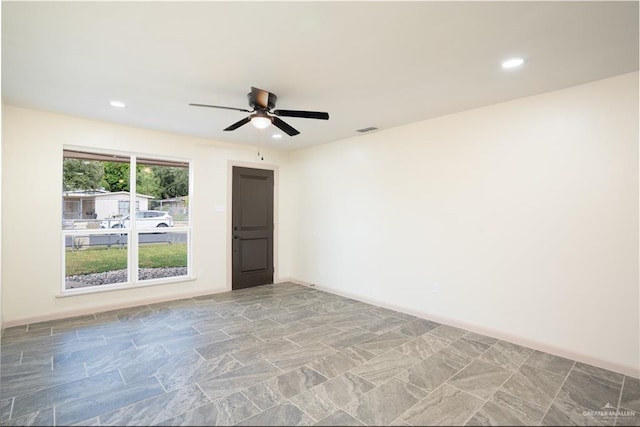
(276, 226)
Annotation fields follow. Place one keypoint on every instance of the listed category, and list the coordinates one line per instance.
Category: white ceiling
(380, 64)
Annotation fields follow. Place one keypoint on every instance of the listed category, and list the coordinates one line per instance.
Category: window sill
(124, 286)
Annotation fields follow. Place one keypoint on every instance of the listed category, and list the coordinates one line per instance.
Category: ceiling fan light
(260, 121)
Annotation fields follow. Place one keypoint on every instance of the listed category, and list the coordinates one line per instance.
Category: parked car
(144, 219)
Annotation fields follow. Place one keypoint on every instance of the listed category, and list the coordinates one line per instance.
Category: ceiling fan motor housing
(271, 103)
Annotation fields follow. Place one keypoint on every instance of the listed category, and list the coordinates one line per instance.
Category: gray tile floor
(289, 355)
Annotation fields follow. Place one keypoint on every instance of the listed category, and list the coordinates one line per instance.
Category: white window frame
(133, 282)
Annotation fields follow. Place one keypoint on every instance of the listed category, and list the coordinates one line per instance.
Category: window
(123, 206)
(103, 246)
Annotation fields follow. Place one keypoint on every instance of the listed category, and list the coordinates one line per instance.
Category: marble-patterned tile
(5, 408)
(385, 324)
(484, 339)
(94, 354)
(506, 355)
(534, 385)
(281, 331)
(582, 394)
(126, 358)
(504, 409)
(445, 406)
(480, 378)
(315, 402)
(65, 393)
(354, 320)
(285, 414)
(417, 327)
(549, 362)
(605, 374)
(250, 327)
(285, 318)
(12, 369)
(182, 369)
(631, 394)
(468, 348)
(345, 388)
(216, 323)
(627, 417)
(89, 406)
(238, 379)
(157, 408)
(227, 346)
(380, 369)
(384, 312)
(59, 345)
(312, 335)
(163, 335)
(65, 324)
(299, 380)
(429, 374)
(95, 421)
(557, 417)
(447, 333)
(193, 341)
(348, 338)
(383, 342)
(20, 383)
(339, 418)
(264, 350)
(324, 319)
(44, 417)
(424, 346)
(340, 362)
(222, 412)
(385, 403)
(301, 356)
(265, 394)
(261, 317)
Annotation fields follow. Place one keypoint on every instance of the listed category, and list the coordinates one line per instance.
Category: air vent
(369, 129)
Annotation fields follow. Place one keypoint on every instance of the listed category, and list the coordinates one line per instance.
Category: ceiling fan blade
(304, 114)
(239, 123)
(217, 106)
(280, 124)
(261, 97)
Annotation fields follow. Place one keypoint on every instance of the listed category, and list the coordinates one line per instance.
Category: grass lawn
(98, 260)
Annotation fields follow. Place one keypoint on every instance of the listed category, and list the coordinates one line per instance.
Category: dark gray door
(252, 227)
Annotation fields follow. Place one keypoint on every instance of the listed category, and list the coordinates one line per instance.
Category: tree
(116, 176)
(81, 175)
(172, 181)
(147, 182)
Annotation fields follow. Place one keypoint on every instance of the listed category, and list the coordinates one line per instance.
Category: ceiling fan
(262, 115)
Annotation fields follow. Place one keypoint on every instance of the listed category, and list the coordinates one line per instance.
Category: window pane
(95, 259)
(162, 254)
(167, 183)
(95, 188)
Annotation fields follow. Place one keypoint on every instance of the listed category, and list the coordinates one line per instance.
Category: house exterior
(99, 204)
(175, 206)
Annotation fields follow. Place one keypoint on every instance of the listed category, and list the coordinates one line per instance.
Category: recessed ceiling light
(276, 136)
(117, 104)
(512, 63)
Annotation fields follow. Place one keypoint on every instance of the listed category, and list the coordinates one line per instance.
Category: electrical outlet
(435, 288)
(201, 273)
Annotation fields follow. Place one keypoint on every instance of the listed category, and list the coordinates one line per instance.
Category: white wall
(525, 213)
(32, 144)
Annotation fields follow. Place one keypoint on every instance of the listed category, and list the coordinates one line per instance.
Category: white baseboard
(632, 371)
